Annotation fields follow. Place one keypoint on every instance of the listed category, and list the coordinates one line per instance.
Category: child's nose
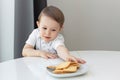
(47, 32)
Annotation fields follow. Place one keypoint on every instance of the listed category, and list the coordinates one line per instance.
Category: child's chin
(47, 40)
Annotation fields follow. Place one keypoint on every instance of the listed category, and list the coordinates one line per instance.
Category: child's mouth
(47, 37)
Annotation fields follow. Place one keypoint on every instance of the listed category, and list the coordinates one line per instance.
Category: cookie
(63, 65)
(70, 69)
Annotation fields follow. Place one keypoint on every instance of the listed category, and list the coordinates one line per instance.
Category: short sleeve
(32, 38)
(58, 41)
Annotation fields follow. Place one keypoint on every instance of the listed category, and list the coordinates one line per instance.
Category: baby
(46, 41)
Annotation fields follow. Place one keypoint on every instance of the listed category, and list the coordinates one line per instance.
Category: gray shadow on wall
(23, 24)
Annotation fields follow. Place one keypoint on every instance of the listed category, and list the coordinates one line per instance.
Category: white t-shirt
(36, 41)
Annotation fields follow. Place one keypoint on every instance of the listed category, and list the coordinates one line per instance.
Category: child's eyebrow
(44, 26)
(47, 26)
(54, 27)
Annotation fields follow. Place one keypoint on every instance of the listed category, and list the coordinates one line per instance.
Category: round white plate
(82, 70)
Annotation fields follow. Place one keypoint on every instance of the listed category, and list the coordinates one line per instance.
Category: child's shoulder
(60, 35)
(35, 30)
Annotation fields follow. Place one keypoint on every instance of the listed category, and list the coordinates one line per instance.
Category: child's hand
(47, 55)
(74, 59)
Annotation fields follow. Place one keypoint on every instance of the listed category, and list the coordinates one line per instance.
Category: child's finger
(72, 59)
(81, 60)
(52, 56)
(45, 57)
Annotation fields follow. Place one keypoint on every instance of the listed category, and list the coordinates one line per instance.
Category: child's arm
(65, 55)
(29, 50)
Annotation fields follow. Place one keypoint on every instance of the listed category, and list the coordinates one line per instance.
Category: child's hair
(54, 13)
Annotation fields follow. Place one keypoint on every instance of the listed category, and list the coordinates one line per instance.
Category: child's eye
(44, 28)
(53, 30)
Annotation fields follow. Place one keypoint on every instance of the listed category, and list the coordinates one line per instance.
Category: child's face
(49, 28)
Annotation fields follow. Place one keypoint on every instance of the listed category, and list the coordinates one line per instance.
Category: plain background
(91, 24)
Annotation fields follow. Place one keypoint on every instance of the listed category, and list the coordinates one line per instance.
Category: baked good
(65, 67)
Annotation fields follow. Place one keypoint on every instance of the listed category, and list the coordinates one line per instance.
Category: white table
(103, 65)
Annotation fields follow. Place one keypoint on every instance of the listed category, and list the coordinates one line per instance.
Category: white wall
(91, 24)
(6, 29)
(16, 23)
(0, 28)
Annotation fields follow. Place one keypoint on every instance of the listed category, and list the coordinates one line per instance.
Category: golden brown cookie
(62, 65)
(70, 69)
(65, 67)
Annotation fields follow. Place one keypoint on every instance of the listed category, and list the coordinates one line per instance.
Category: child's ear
(38, 23)
(61, 28)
